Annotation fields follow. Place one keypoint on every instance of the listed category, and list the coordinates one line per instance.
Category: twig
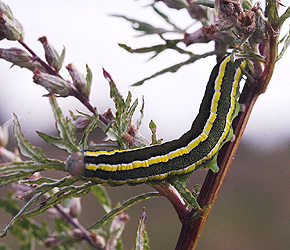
(52, 71)
(76, 224)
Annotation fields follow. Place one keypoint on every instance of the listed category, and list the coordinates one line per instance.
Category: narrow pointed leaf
(285, 47)
(154, 48)
(114, 93)
(61, 58)
(84, 141)
(176, 67)
(206, 3)
(89, 78)
(101, 193)
(147, 28)
(65, 128)
(57, 198)
(25, 148)
(19, 214)
(115, 211)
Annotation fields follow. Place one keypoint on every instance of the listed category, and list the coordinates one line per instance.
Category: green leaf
(101, 193)
(185, 193)
(139, 122)
(84, 141)
(114, 93)
(141, 242)
(166, 18)
(25, 148)
(61, 58)
(152, 127)
(146, 28)
(283, 18)
(206, 3)
(65, 191)
(127, 117)
(65, 128)
(176, 67)
(156, 48)
(115, 211)
(27, 166)
(119, 245)
(19, 214)
(89, 78)
(285, 46)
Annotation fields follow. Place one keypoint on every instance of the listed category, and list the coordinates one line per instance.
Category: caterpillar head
(75, 164)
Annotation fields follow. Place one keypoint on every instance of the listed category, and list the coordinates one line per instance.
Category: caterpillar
(198, 147)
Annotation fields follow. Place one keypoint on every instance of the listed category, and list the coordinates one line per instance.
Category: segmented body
(198, 147)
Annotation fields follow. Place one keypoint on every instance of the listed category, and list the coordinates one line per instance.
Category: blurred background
(253, 207)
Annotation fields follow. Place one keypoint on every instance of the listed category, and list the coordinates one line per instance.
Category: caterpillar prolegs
(198, 147)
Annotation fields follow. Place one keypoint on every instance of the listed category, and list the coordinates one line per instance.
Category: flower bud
(54, 84)
(246, 23)
(75, 207)
(10, 28)
(81, 123)
(79, 81)
(109, 115)
(136, 138)
(4, 134)
(20, 58)
(51, 55)
(260, 31)
(7, 156)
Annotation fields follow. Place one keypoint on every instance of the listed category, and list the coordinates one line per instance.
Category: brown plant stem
(35, 57)
(167, 191)
(76, 224)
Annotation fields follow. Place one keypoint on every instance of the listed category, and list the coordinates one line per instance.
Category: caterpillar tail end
(75, 164)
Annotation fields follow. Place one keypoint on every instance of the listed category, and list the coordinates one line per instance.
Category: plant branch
(52, 71)
(173, 196)
(35, 57)
(76, 224)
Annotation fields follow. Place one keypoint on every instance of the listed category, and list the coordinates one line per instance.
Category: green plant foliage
(130, 202)
(65, 128)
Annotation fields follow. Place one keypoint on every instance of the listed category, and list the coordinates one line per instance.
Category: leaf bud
(109, 115)
(54, 84)
(4, 134)
(260, 31)
(10, 28)
(136, 139)
(75, 207)
(51, 55)
(81, 123)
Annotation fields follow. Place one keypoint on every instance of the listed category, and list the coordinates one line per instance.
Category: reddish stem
(176, 201)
